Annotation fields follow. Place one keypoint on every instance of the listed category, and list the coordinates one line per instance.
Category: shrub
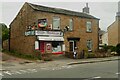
(118, 49)
(105, 48)
(69, 54)
(47, 56)
(91, 55)
(20, 55)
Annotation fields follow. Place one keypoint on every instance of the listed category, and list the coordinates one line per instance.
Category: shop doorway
(42, 46)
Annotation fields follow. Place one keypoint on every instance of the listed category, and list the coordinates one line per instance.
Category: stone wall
(27, 16)
(18, 41)
(113, 34)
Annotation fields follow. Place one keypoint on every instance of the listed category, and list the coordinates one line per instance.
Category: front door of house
(71, 46)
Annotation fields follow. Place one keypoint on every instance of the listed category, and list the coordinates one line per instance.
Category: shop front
(50, 42)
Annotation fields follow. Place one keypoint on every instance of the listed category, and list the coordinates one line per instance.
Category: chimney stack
(86, 9)
(118, 13)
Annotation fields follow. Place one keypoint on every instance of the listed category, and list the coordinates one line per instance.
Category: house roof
(101, 32)
(61, 11)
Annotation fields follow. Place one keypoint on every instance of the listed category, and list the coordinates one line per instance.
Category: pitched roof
(61, 11)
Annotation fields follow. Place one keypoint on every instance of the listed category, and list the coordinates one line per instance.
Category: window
(70, 24)
(89, 26)
(89, 44)
(56, 23)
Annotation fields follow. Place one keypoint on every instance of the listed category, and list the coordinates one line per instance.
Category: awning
(50, 38)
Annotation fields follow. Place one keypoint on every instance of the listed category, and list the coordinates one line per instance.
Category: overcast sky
(105, 11)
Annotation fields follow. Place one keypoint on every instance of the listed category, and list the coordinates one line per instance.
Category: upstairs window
(70, 24)
(56, 23)
(88, 26)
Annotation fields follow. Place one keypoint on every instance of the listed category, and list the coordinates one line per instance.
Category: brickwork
(113, 33)
(27, 16)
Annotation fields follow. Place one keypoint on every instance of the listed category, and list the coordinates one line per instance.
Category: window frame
(90, 44)
(56, 17)
(71, 21)
(88, 27)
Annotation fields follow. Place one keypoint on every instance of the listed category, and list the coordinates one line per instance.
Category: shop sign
(49, 33)
(29, 33)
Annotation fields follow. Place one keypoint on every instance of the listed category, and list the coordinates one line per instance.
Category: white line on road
(44, 68)
(16, 72)
(117, 73)
(7, 72)
(1, 74)
(96, 77)
(92, 78)
(32, 70)
(23, 71)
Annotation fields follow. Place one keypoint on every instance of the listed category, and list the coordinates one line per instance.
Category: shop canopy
(50, 38)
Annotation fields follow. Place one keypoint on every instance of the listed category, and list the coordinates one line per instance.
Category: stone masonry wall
(27, 16)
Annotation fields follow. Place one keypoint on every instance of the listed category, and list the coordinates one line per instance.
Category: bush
(91, 55)
(47, 56)
(20, 55)
(69, 54)
(118, 49)
(106, 48)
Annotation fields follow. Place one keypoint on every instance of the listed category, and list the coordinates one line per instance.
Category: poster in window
(42, 23)
(48, 47)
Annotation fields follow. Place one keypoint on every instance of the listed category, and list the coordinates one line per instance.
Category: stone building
(53, 30)
(114, 30)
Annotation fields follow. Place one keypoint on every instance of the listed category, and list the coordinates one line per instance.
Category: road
(90, 70)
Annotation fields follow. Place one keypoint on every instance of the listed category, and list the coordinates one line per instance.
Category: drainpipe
(9, 38)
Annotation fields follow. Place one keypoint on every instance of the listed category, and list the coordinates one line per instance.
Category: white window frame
(54, 27)
(89, 44)
(73, 44)
(70, 24)
(89, 26)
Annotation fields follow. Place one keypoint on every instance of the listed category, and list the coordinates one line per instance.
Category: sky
(105, 11)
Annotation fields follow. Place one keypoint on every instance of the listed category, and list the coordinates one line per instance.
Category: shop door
(42, 46)
(71, 46)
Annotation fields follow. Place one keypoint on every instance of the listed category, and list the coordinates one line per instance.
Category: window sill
(88, 31)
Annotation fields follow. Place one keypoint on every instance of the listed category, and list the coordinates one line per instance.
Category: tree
(5, 32)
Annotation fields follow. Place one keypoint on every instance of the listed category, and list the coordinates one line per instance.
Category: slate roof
(61, 11)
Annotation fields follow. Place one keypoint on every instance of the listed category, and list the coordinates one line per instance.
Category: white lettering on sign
(49, 33)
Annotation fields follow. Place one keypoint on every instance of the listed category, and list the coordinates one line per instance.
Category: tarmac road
(88, 71)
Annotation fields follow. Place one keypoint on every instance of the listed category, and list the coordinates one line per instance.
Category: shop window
(89, 44)
(56, 47)
(56, 23)
(88, 26)
(70, 24)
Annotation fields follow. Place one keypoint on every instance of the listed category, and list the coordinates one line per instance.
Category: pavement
(58, 60)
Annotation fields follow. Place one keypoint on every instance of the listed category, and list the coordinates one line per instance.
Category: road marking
(117, 73)
(69, 66)
(7, 72)
(23, 71)
(32, 70)
(53, 69)
(96, 77)
(18, 72)
(45, 68)
(1, 74)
